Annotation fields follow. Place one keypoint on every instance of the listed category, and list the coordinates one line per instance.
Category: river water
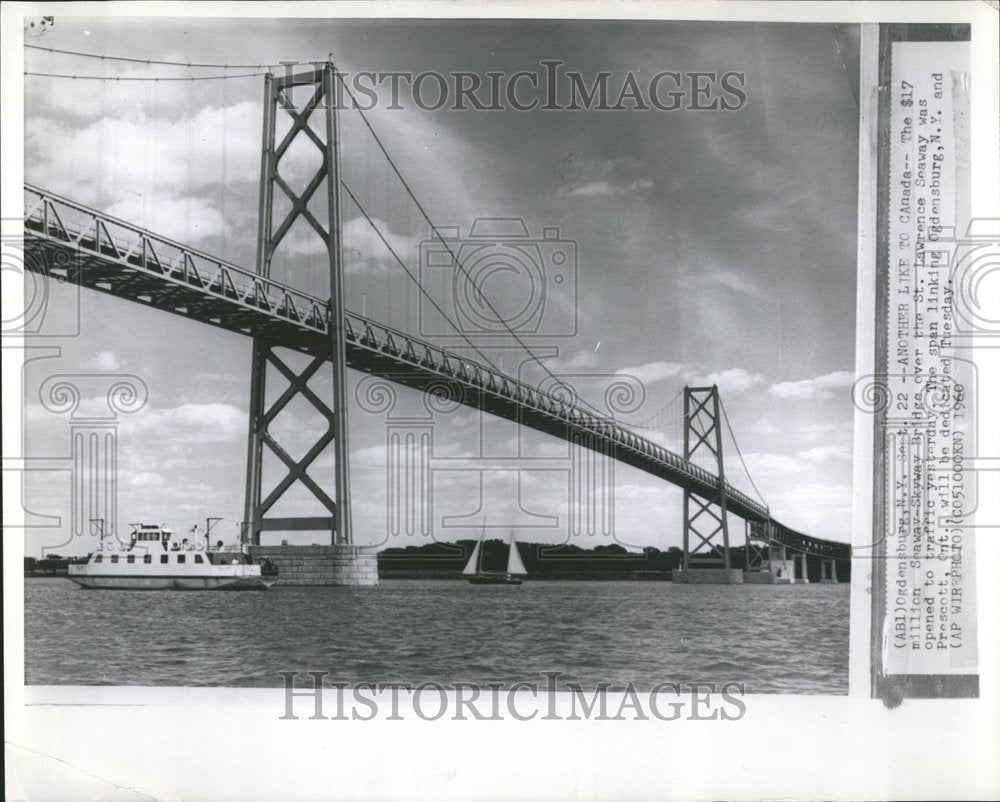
(774, 639)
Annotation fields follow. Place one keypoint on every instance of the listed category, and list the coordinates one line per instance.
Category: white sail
(473, 563)
(514, 563)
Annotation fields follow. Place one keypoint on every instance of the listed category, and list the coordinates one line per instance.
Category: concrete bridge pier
(828, 572)
(779, 570)
(800, 569)
(338, 564)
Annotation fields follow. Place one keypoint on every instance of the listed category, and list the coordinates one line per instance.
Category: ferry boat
(155, 561)
(475, 575)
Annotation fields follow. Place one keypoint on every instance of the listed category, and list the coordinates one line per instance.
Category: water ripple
(774, 639)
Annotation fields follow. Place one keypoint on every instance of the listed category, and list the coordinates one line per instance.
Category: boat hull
(99, 582)
(494, 579)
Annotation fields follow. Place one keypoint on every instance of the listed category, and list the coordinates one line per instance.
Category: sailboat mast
(482, 544)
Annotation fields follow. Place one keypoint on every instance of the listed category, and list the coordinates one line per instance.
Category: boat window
(181, 558)
(130, 558)
(114, 558)
(164, 558)
(147, 558)
(99, 558)
(198, 559)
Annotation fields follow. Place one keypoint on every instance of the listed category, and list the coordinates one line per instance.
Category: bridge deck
(72, 242)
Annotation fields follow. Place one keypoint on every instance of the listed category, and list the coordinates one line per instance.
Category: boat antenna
(98, 524)
(209, 523)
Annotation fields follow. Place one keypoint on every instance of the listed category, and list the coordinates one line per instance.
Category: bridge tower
(706, 524)
(340, 562)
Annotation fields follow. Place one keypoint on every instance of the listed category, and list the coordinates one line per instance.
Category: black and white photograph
(612, 370)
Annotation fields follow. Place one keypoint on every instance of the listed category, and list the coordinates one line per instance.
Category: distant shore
(608, 576)
(542, 561)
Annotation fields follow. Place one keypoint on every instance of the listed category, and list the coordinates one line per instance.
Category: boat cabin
(148, 534)
(167, 558)
(149, 540)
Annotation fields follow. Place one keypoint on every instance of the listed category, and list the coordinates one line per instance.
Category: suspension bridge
(67, 241)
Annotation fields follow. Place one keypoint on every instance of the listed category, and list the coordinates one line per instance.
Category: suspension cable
(402, 264)
(143, 77)
(664, 424)
(103, 57)
(740, 453)
(435, 232)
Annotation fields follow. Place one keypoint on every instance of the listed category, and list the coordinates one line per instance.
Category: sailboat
(474, 572)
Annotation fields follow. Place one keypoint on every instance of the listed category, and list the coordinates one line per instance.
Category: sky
(704, 246)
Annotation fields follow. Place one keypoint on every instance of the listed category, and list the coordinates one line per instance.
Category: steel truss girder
(299, 321)
(85, 251)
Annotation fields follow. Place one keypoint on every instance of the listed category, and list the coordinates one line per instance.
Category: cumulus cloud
(105, 360)
(597, 189)
(826, 515)
(822, 454)
(827, 429)
(143, 479)
(732, 380)
(655, 371)
(819, 387)
(188, 423)
(769, 465)
(763, 427)
(733, 281)
(301, 240)
(729, 380)
(363, 246)
(189, 219)
(133, 150)
(163, 172)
